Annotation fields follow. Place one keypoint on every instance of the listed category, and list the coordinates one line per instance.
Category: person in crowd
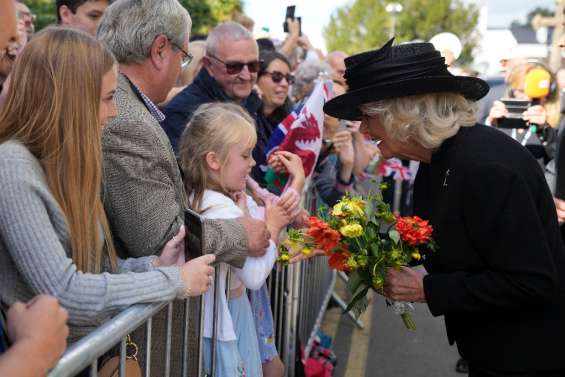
(197, 49)
(245, 21)
(25, 15)
(273, 83)
(336, 60)
(56, 238)
(216, 159)
(499, 270)
(8, 57)
(544, 113)
(37, 331)
(81, 14)
(305, 78)
(143, 190)
(230, 72)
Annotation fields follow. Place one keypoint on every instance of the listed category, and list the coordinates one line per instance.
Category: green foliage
(44, 11)
(205, 14)
(365, 24)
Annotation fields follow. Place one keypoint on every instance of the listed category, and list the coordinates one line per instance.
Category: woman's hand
(535, 115)
(343, 145)
(404, 284)
(197, 275)
(497, 111)
(277, 217)
(173, 251)
(560, 209)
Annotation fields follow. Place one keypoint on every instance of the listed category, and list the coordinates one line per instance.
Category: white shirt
(253, 274)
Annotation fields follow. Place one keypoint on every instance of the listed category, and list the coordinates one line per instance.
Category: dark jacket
(498, 274)
(205, 89)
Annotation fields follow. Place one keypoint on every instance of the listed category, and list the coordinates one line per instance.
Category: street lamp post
(393, 9)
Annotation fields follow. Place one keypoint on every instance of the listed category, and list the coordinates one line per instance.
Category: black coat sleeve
(503, 216)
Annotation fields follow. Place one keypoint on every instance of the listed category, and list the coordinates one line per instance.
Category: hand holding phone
(289, 15)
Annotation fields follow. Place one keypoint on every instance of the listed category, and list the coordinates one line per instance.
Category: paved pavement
(385, 348)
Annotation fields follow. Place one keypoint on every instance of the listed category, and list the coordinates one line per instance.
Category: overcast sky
(316, 13)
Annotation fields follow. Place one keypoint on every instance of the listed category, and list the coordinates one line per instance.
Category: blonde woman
(55, 235)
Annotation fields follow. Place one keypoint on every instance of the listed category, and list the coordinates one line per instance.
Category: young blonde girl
(216, 159)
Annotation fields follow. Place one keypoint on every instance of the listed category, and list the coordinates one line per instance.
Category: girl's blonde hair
(428, 119)
(52, 108)
(214, 127)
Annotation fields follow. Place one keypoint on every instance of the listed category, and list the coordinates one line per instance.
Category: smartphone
(193, 241)
(289, 14)
(299, 26)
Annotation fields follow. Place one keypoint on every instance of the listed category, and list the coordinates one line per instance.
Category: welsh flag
(300, 133)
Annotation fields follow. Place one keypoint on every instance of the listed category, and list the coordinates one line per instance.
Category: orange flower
(414, 230)
(324, 237)
(338, 259)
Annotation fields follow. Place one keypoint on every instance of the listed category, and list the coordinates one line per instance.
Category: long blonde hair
(52, 108)
(214, 127)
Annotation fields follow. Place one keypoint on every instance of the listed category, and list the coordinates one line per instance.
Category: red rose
(414, 230)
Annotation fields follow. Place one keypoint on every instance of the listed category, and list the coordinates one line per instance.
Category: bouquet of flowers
(363, 237)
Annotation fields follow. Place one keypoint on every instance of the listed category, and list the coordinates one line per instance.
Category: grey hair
(429, 119)
(228, 31)
(129, 27)
(306, 74)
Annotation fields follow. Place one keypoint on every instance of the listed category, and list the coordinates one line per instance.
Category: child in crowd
(216, 159)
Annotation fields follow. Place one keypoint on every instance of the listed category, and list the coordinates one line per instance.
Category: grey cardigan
(35, 253)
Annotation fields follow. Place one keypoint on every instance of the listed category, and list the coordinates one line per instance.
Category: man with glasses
(230, 72)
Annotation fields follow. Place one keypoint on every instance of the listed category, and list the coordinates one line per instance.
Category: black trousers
(478, 372)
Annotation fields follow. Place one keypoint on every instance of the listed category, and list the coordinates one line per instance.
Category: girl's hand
(298, 256)
(535, 115)
(240, 200)
(276, 218)
(173, 251)
(275, 162)
(293, 165)
(301, 220)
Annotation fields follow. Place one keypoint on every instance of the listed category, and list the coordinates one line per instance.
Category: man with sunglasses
(230, 71)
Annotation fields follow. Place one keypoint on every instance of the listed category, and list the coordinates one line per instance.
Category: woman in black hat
(498, 274)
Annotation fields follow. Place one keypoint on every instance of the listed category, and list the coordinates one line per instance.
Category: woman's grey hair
(228, 31)
(428, 119)
(306, 74)
(129, 27)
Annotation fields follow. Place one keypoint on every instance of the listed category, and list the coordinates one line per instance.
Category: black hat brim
(346, 106)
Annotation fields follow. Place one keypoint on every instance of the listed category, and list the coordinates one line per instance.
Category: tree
(205, 14)
(365, 24)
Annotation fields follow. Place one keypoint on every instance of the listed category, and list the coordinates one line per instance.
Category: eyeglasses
(277, 77)
(236, 67)
(187, 56)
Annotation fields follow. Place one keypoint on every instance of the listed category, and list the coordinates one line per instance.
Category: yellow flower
(378, 282)
(307, 250)
(351, 230)
(357, 207)
(351, 263)
(416, 255)
(338, 209)
(284, 258)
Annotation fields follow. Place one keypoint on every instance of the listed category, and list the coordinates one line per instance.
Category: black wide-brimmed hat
(398, 71)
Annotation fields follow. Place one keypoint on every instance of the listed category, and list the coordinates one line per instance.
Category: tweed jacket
(144, 195)
(144, 199)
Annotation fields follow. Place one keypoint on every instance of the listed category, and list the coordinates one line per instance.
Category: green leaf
(374, 249)
(354, 282)
(359, 303)
(394, 236)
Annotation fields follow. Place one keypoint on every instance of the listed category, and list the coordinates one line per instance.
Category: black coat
(498, 275)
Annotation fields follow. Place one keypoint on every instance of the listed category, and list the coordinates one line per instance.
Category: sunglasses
(277, 77)
(236, 67)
